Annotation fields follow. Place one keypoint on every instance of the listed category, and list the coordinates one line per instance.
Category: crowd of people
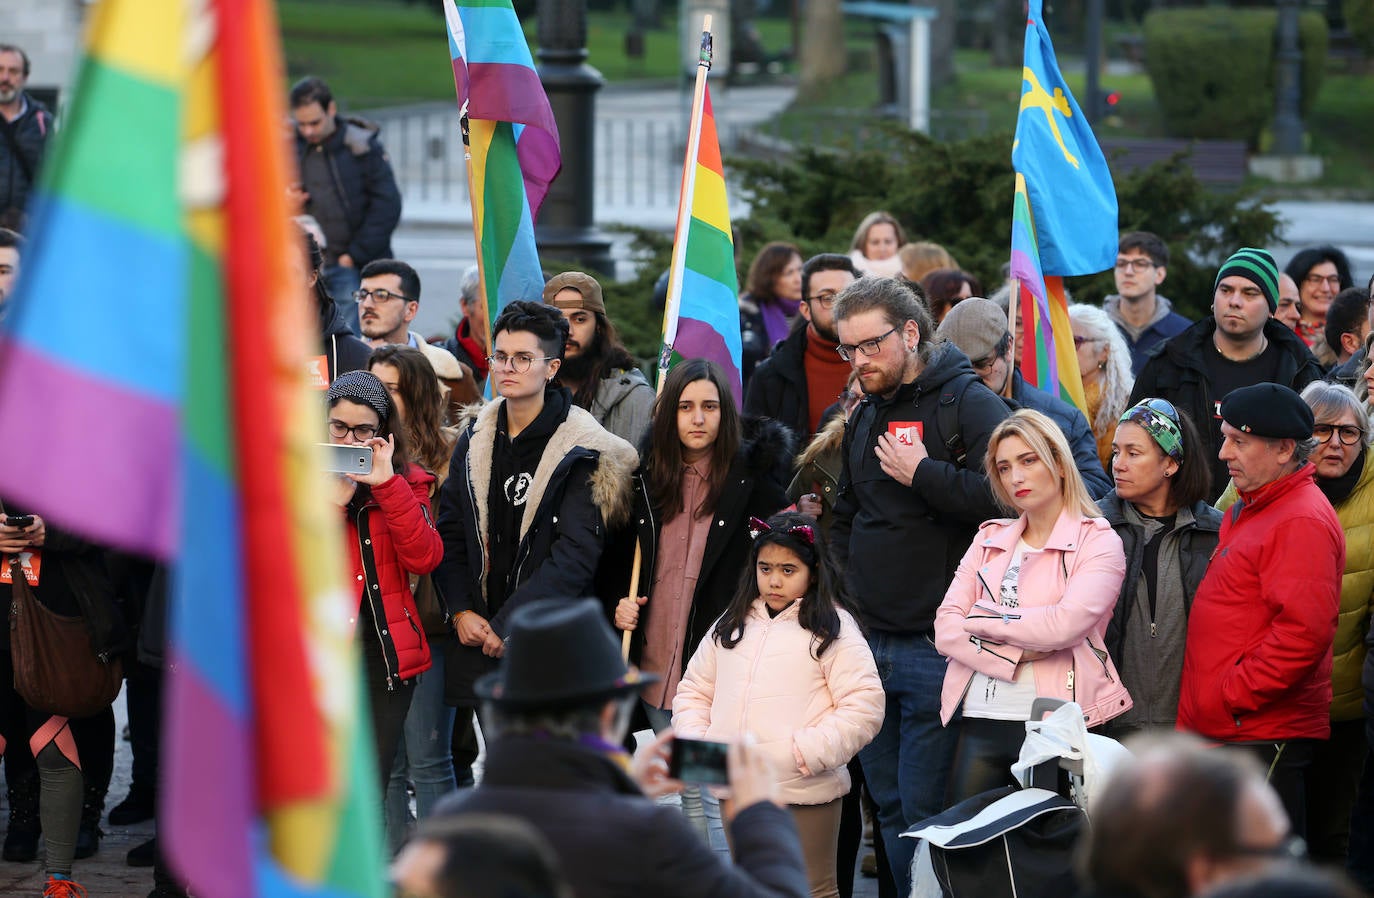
(861, 578)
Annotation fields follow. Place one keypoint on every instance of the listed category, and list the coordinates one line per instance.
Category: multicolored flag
(1064, 218)
(191, 436)
(512, 141)
(701, 318)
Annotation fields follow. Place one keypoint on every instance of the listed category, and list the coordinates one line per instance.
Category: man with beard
(25, 125)
(597, 369)
(388, 300)
(804, 376)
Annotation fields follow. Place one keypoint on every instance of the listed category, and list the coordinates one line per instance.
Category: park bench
(1216, 163)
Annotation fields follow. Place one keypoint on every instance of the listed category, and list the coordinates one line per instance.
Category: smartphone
(22, 521)
(699, 761)
(347, 459)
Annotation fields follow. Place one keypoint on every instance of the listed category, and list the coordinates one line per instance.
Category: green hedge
(1214, 70)
(1359, 18)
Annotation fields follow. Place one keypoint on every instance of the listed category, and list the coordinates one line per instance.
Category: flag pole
(679, 263)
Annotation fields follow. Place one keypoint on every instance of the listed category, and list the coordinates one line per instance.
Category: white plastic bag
(1064, 735)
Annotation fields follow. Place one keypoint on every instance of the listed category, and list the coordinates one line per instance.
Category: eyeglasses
(1079, 342)
(379, 296)
(1134, 264)
(1348, 434)
(1292, 848)
(825, 299)
(520, 362)
(361, 432)
(1316, 280)
(1163, 406)
(868, 347)
(990, 359)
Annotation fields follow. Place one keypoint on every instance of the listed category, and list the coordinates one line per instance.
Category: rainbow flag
(1064, 216)
(188, 398)
(701, 318)
(512, 141)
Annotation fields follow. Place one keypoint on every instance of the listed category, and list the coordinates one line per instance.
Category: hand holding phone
(699, 761)
(342, 459)
(20, 521)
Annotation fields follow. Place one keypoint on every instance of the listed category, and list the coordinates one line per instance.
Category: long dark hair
(819, 610)
(424, 404)
(663, 467)
(764, 271)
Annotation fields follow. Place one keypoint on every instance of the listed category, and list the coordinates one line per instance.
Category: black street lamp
(566, 229)
(1288, 119)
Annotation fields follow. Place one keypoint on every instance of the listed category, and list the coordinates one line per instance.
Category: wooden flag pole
(679, 263)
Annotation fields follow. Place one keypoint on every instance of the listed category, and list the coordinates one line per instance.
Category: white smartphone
(347, 459)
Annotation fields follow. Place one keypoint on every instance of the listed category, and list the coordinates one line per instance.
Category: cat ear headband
(804, 531)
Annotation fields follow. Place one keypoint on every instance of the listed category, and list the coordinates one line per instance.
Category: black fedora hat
(561, 652)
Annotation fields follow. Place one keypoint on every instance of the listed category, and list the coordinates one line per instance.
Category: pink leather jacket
(1066, 591)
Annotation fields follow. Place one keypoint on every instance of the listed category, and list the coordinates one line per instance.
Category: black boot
(143, 854)
(139, 805)
(21, 839)
(88, 836)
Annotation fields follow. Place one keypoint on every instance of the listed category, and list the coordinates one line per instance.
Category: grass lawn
(381, 53)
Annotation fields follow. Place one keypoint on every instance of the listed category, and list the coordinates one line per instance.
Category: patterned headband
(1160, 420)
(804, 531)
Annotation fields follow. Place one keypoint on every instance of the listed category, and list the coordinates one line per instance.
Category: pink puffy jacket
(1066, 591)
(810, 717)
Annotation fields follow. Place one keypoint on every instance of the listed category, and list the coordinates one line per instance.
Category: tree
(823, 54)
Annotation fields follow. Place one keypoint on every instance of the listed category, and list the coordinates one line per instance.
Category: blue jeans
(424, 757)
(699, 806)
(341, 282)
(906, 766)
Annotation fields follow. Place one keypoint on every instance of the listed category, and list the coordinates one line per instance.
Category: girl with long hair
(788, 664)
(1026, 613)
(390, 536)
(701, 478)
(424, 758)
(1104, 362)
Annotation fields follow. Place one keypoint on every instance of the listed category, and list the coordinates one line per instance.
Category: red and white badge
(906, 433)
(30, 562)
(317, 371)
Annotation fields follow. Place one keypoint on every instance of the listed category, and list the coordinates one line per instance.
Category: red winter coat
(1258, 660)
(389, 538)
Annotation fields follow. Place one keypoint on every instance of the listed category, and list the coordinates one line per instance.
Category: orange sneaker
(63, 888)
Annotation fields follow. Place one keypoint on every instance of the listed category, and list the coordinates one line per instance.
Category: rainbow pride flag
(182, 411)
(1064, 215)
(701, 318)
(512, 141)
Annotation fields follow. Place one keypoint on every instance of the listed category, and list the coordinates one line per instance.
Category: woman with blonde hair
(922, 257)
(875, 244)
(1104, 361)
(1027, 612)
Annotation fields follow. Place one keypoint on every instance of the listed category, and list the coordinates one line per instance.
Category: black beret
(1268, 410)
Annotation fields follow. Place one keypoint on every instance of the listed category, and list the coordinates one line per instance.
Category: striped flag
(701, 318)
(512, 141)
(1064, 216)
(205, 430)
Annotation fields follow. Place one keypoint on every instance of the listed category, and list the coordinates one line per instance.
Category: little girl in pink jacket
(788, 665)
(1030, 602)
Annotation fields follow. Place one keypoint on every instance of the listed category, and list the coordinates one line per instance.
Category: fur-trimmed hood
(611, 480)
(827, 441)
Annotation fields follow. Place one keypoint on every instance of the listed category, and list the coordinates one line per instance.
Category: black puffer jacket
(757, 487)
(365, 184)
(900, 545)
